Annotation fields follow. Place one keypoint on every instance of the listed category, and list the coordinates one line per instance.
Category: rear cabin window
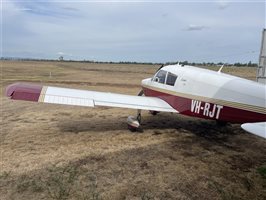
(171, 78)
(160, 76)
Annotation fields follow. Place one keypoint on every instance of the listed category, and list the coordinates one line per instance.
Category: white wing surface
(65, 96)
(258, 128)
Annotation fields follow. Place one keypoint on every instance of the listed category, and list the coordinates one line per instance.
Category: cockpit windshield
(160, 76)
(165, 77)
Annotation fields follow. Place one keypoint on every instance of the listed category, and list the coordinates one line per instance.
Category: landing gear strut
(133, 123)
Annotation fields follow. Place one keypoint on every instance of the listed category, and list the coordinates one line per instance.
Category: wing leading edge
(65, 96)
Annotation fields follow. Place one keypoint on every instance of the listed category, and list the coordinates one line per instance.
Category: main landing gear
(133, 123)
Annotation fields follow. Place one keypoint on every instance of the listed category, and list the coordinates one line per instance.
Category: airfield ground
(67, 152)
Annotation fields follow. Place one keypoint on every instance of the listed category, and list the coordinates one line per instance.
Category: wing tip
(10, 89)
(23, 91)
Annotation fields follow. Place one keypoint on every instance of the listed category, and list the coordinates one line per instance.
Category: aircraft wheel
(133, 123)
(132, 128)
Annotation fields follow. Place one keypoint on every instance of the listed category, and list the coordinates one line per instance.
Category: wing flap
(258, 128)
(66, 96)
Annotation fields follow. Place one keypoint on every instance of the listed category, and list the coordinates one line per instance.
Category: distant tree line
(237, 64)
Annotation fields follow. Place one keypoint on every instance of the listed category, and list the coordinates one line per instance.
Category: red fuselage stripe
(206, 110)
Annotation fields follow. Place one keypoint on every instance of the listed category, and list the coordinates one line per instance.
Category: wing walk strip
(247, 107)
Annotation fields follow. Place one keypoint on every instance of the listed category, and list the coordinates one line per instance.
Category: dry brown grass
(66, 152)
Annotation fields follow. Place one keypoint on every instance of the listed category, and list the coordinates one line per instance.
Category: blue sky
(142, 31)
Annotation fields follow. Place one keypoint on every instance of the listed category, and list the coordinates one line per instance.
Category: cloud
(60, 53)
(70, 9)
(222, 5)
(43, 8)
(25, 9)
(193, 27)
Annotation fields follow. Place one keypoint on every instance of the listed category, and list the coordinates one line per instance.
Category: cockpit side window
(160, 76)
(171, 78)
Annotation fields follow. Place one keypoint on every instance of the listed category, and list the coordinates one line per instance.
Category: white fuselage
(200, 85)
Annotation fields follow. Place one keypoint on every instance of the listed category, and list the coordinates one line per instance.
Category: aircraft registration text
(206, 109)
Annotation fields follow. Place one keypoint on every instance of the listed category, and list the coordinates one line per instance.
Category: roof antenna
(219, 71)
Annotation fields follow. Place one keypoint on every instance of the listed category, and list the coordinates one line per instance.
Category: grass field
(67, 152)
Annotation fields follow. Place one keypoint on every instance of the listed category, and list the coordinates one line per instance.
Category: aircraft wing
(258, 128)
(65, 96)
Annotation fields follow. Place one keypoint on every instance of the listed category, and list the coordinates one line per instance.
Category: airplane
(181, 89)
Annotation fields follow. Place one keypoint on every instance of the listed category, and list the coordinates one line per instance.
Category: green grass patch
(4, 175)
(262, 172)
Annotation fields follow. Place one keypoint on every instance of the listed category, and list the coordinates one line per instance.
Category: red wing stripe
(22, 91)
